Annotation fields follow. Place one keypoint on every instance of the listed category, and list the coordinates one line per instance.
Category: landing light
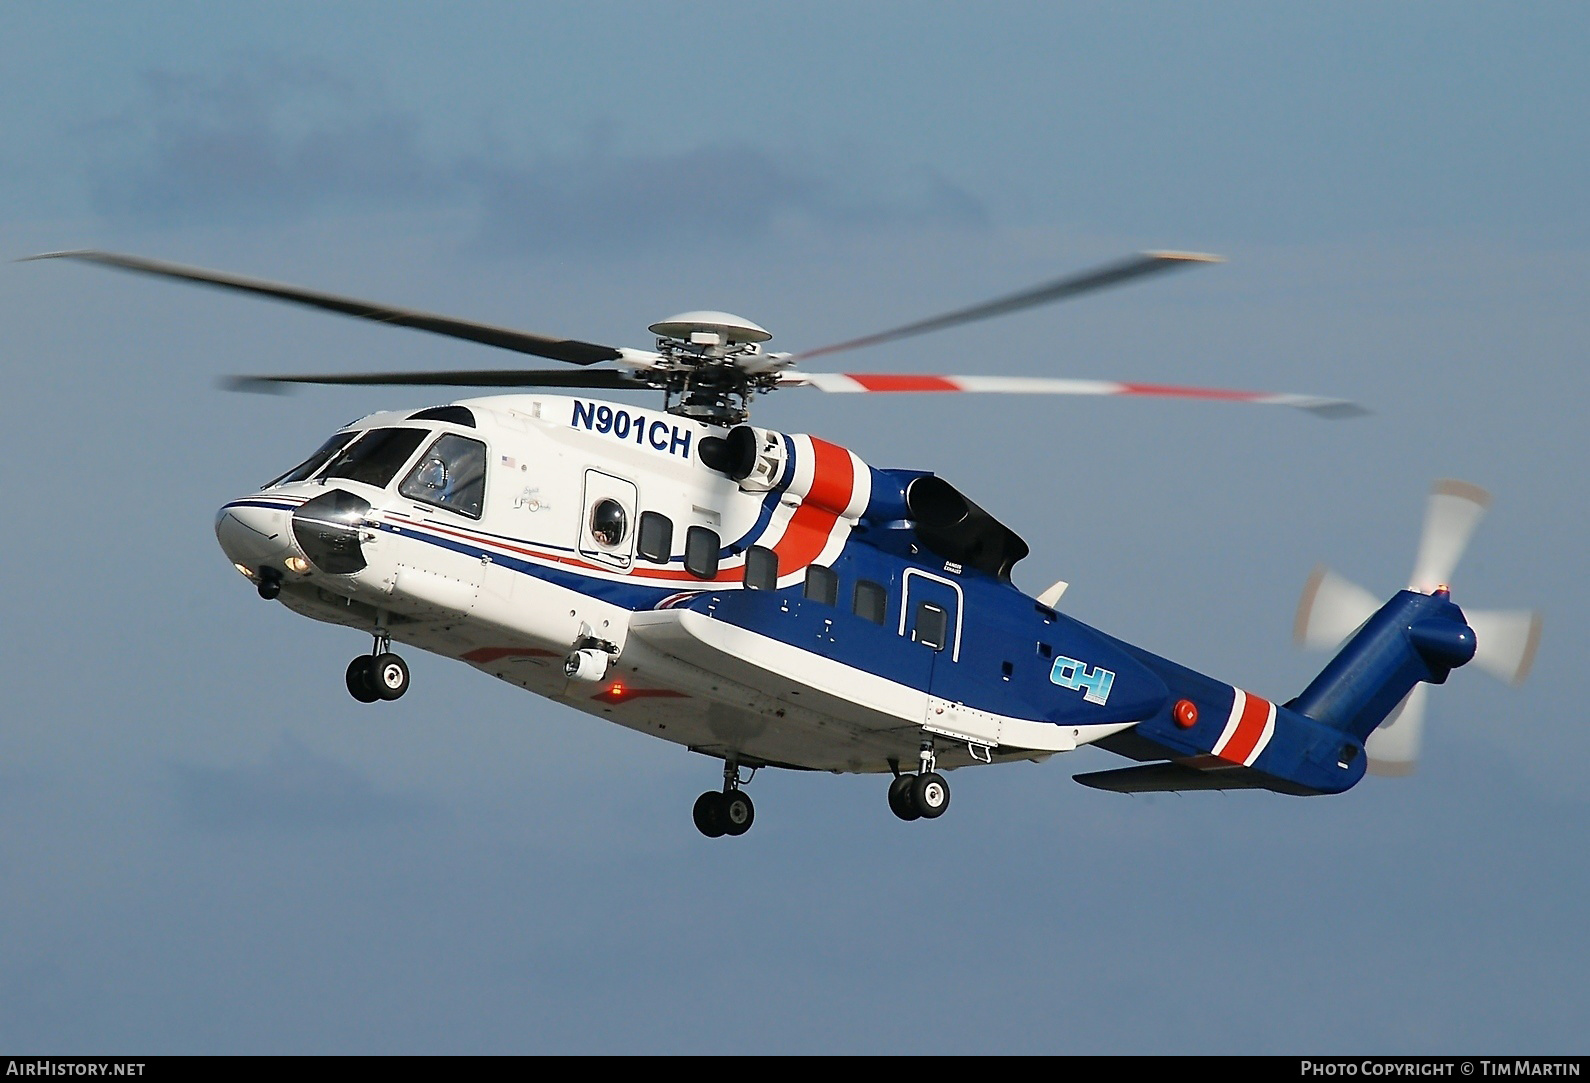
(298, 565)
(247, 573)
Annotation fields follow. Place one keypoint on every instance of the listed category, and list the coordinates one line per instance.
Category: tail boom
(1217, 736)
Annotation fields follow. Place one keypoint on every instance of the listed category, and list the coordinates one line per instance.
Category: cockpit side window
(304, 470)
(451, 475)
(376, 457)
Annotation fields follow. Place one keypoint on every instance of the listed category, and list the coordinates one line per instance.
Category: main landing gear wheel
(718, 814)
(930, 795)
(708, 814)
(389, 675)
(738, 812)
(900, 802)
(924, 795)
(725, 812)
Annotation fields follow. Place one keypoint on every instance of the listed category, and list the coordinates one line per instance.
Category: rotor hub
(711, 364)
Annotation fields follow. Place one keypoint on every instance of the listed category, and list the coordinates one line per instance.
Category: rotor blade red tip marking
(883, 381)
(1190, 392)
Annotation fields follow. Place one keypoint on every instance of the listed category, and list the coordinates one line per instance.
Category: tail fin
(1414, 637)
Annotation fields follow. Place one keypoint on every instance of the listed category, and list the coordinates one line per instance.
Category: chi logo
(1095, 683)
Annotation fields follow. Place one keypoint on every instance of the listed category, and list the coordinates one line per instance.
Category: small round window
(609, 522)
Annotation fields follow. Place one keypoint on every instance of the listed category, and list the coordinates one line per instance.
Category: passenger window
(656, 539)
(822, 585)
(761, 569)
(701, 552)
(451, 475)
(931, 624)
(609, 523)
(870, 601)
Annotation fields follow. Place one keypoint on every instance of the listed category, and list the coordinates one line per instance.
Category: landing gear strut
(379, 674)
(924, 795)
(729, 812)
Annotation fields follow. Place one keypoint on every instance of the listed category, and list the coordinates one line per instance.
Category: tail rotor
(1333, 607)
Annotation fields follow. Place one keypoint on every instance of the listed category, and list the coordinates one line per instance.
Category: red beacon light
(1185, 713)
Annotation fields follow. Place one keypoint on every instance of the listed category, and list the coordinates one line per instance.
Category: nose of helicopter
(254, 533)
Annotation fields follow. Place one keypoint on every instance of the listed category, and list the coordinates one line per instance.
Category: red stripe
(1255, 713)
(730, 574)
(1190, 392)
(811, 526)
(882, 381)
(833, 479)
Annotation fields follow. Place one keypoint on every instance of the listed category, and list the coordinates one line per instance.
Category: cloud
(270, 141)
(266, 141)
(721, 193)
(293, 790)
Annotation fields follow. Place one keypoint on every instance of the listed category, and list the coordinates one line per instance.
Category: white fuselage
(539, 572)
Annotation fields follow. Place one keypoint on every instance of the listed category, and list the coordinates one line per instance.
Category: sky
(207, 847)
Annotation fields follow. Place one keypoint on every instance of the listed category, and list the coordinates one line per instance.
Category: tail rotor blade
(1454, 510)
(1331, 609)
(1393, 749)
(1505, 641)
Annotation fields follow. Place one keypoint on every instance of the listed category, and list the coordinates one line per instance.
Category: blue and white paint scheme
(771, 600)
(805, 610)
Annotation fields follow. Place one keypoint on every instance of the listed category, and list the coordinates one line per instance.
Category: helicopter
(770, 600)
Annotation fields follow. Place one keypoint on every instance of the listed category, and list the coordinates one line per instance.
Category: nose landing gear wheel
(361, 680)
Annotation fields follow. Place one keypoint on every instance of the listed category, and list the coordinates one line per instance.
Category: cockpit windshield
(376, 457)
(304, 470)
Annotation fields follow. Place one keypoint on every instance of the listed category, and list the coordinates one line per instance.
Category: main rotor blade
(856, 382)
(1453, 511)
(1113, 274)
(604, 379)
(556, 349)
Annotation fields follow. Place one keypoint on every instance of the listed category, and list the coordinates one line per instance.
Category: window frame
(868, 586)
(764, 563)
(702, 541)
(828, 578)
(644, 531)
(485, 461)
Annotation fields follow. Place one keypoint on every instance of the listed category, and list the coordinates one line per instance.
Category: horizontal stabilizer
(1171, 777)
